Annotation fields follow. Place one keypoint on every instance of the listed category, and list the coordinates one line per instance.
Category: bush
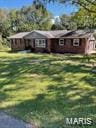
(4, 44)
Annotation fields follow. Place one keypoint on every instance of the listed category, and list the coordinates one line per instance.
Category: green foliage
(1, 47)
(82, 19)
(1, 43)
(57, 25)
(67, 22)
(4, 23)
(89, 5)
(25, 19)
(37, 16)
(85, 19)
(33, 18)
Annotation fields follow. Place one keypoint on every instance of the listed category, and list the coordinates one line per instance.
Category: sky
(57, 9)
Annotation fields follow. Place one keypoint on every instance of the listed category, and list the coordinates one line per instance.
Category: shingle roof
(19, 35)
(55, 34)
(52, 34)
(78, 34)
(58, 32)
(45, 33)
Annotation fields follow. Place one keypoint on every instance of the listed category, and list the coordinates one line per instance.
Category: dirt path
(7, 121)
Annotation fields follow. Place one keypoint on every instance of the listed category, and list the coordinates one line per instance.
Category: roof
(51, 34)
(78, 34)
(55, 34)
(47, 34)
(19, 35)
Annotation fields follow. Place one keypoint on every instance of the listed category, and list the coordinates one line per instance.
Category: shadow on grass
(65, 98)
(51, 112)
(3, 96)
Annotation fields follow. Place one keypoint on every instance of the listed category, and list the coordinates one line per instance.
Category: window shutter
(72, 42)
(15, 41)
(34, 42)
(64, 41)
(46, 41)
(58, 42)
(80, 42)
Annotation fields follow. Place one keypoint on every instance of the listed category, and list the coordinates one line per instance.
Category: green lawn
(44, 89)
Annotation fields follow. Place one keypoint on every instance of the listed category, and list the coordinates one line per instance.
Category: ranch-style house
(59, 41)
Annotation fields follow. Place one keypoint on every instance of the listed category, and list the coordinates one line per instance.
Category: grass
(44, 89)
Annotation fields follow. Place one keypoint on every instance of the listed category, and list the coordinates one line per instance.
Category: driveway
(7, 121)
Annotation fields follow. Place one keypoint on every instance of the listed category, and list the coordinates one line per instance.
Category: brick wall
(68, 47)
(17, 44)
(52, 45)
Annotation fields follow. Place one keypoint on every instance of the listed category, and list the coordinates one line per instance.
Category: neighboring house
(61, 41)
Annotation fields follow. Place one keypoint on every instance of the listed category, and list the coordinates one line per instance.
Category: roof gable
(34, 34)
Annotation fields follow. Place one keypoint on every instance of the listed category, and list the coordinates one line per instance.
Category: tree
(30, 18)
(86, 4)
(57, 24)
(67, 22)
(85, 18)
(27, 18)
(4, 23)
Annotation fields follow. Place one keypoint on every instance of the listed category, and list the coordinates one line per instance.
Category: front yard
(44, 89)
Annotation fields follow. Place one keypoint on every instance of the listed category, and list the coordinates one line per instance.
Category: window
(40, 43)
(76, 42)
(91, 41)
(61, 42)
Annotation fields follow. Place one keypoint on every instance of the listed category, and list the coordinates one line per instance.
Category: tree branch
(85, 4)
